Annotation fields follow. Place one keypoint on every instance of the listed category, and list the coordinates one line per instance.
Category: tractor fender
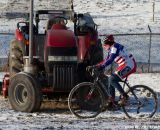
(18, 35)
(82, 48)
(5, 85)
(27, 74)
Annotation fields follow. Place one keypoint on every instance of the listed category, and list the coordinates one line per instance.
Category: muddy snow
(52, 117)
(127, 16)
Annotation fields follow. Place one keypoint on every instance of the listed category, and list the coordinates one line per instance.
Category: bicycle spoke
(85, 101)
(143, 107)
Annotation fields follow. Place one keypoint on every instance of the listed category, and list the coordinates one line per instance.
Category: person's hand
(99, 68)
(88, 68)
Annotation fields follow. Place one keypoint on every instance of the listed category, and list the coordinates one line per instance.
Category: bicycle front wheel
(142, 102)
(85, 100)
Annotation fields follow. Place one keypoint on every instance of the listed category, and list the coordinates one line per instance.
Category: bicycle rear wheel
(86, 100)
(144, 106)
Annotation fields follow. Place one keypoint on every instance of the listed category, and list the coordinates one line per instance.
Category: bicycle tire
(146, 95)
(75, 96)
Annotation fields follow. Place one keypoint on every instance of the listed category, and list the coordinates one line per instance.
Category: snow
(127, 16)
(113, 17)
(54, 118)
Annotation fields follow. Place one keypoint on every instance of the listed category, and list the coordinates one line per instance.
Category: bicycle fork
(89, 95)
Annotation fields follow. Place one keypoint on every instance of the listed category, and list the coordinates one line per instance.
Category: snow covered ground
(113, 17)
(127, 16)
(54, 118)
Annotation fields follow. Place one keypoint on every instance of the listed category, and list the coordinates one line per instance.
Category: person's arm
(103, 61)
(110, 59)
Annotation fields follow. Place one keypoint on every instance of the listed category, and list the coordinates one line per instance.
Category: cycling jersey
(126, 62)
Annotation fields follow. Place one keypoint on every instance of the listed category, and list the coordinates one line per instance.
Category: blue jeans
(113, 82)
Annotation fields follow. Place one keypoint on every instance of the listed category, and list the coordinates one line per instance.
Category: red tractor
(59, 61)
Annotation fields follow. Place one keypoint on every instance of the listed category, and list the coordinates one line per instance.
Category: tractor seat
(59, 26)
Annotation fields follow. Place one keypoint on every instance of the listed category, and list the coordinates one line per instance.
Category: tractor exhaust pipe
(29, 67)
(31, 32)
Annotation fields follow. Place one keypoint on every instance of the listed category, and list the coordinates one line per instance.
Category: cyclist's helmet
(108, 40)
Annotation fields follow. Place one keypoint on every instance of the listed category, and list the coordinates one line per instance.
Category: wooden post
(153, 4)
(72, 6)
(150, 45)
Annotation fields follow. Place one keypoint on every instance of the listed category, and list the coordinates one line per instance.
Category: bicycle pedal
(111, 107)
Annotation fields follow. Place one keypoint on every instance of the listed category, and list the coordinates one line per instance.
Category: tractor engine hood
(60, 38)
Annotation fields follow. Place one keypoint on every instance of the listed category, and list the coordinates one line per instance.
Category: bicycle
(87, 99)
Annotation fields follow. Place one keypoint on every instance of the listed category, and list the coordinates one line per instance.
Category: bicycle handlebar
(93, 71)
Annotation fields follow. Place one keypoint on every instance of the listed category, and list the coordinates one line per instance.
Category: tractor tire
(24, 93)
(96, 53)
(16, 53)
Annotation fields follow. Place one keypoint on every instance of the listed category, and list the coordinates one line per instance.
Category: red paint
(18, 35)
(58, 26)
(47, 90)
(123, 60)
(82, 48)
(130, 72)
(88, 97)
(84, 42)
(119, 58)
(120, 67)
(60, 38)
(5, 85)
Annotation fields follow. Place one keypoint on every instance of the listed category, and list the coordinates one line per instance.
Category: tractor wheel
(24, 93)
(96, 53)
(16, 53)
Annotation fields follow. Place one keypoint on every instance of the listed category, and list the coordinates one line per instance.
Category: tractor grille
(63, 77)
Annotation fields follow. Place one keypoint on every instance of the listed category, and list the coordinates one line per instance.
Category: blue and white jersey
(118, 53)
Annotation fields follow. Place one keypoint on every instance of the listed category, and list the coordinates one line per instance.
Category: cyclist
(126, 65)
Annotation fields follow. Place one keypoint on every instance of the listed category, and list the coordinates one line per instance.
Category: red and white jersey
(126, 62)
(124, 58)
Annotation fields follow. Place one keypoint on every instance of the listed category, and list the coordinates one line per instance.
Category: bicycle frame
(129, 87)
(127, 84)
(103, 87)
(98, 82)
